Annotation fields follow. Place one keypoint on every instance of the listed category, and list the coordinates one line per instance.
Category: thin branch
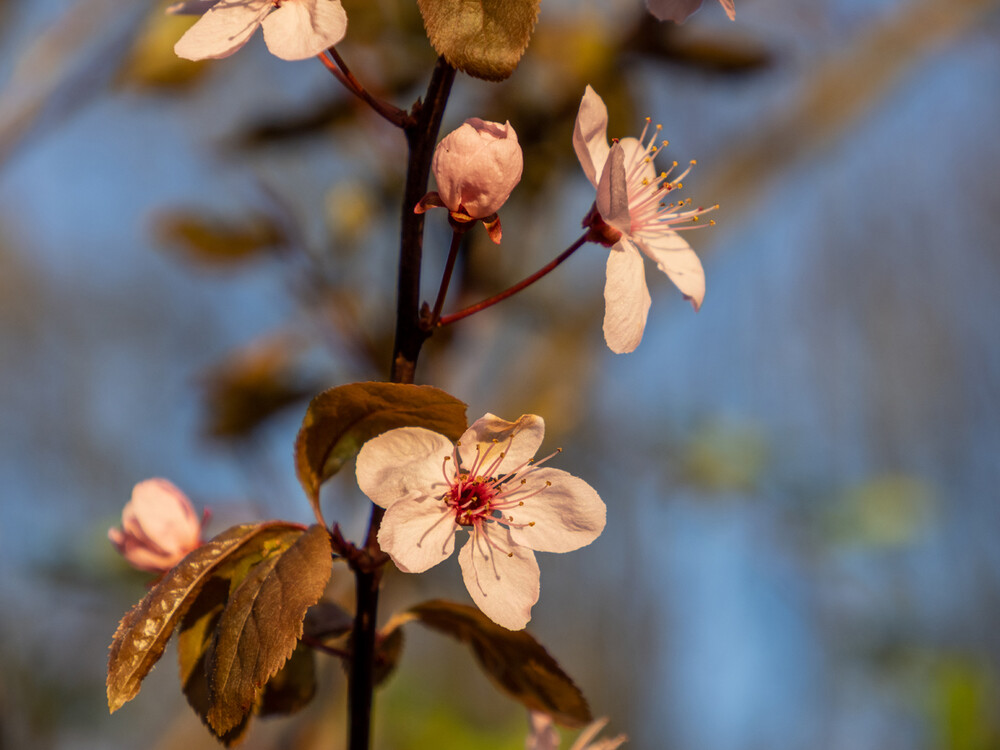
(398, 117)
(510, 291)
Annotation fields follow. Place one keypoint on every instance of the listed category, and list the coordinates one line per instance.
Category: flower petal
(626, 298)
(612, 191)
(502, 578)
(676, 259)
(404, 462)
(565, 514)
(300, 29)
(481, 445)
(590, 135)
(544, 735)
(674, 10)
(223, 29)
(191, 7)
(418, 534)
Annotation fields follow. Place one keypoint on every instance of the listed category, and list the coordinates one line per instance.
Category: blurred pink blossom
(632, 214)
(293, 29)
(476, 168)
(159, 527)
(489, 485)
(544, 736)
(678, 10)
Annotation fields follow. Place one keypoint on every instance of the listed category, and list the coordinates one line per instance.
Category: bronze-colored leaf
(262, 623)
(327, 620)
(293, 686)
(211, 241)
(517, 663)
(484, 38)
(339, 421)
(143, 632)
(194, 639)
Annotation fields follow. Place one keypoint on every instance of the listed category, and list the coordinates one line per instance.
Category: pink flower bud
(159, 527)
(476, 168)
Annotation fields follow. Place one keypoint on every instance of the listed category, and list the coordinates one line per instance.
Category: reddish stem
(398, 117)
(509, 292)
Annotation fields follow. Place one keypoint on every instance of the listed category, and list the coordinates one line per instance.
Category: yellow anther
(647, 160)
(666, 143)
(521, 503)
(711, 222)
(558, 450)
(510, 518)
(659, 127)
(524, 481)
(650, 119)
(548, 483)
(694, 161)
(645, 181)
(695, 219)
(447, 458)
(510, 554)
(679, 186)
(531, 523)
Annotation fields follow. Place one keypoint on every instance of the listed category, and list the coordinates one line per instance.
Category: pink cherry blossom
(544, 736)
(678, 10)
(631, 213)
(293, 29)
(159, 527)
(476, 167)
(490, 486)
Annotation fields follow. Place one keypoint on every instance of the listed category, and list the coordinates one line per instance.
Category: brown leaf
(293, 686)
(143, 632)
(339, 421)
(484, 38)
(517, 663)
(194, 640)
(262, 623)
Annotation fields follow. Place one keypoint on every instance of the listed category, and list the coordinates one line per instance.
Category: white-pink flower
(678, 10)
(489, 485)
(476, 168)
(544, 736)
(632, 213)
(293, 29)
(159, 527)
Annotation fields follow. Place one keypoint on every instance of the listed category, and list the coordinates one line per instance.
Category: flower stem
(456, 242)
(421, 127)
(510, 291)
(398, 117)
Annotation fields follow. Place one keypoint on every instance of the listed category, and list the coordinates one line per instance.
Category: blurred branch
(838, 93)
(65, 67)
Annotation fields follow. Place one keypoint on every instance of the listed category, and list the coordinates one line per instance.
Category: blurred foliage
(721, 457)
(151, 63)
(886, 511)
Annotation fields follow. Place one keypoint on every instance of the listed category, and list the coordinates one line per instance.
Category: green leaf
(143, 632)
(339, 421)
(261, 625)
(484, 38)
(517, 663)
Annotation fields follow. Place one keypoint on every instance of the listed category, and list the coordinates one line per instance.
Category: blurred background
(801, 479)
